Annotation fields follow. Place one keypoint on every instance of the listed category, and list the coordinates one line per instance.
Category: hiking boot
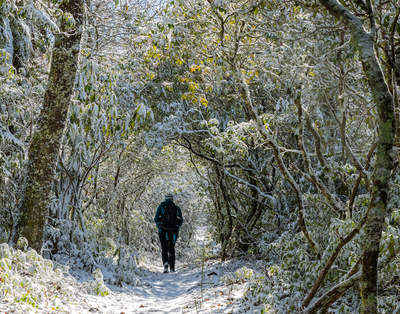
(172, 270)
(165, 268)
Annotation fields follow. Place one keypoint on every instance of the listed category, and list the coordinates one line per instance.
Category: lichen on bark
(46, 140)
(364, 41)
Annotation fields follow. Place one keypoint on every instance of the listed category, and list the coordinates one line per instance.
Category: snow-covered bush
(98, 285)
(241, 275)
(28, 281)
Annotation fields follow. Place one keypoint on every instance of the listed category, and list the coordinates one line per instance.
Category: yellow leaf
(204, 102)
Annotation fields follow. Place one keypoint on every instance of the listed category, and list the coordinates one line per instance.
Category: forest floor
(194, 288)
(198, 286)
(181, 292)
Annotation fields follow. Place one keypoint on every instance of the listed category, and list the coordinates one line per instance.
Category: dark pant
(168, 239)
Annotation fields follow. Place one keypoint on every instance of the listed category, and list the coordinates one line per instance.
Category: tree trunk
(46, 141)
(364, 42)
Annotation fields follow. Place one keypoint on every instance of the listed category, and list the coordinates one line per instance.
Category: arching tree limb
(332, 259)
(332, 294)
(352, 272)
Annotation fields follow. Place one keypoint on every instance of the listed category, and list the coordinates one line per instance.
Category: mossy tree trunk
(46, 141)
(364, 41)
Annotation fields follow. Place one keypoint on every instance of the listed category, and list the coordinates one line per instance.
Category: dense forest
(273, 123)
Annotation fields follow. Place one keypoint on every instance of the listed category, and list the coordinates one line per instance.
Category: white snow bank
(30, 284)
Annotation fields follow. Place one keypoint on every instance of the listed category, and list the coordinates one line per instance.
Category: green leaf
(222, 10)
(88, 87)
(391, 247)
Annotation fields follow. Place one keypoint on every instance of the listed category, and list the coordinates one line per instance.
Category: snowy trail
(180, 292)
(165, 293)
(194, 288)
(197, 287)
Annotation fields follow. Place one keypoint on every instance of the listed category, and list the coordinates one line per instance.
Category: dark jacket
(160, 211)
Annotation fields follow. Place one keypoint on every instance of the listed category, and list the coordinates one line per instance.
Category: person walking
(168, 220)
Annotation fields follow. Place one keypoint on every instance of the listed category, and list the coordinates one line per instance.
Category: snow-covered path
(178, 292)
(197, 287)
(194, 288)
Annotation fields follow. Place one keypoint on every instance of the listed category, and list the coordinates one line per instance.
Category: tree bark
(364, 42)
(46, 141)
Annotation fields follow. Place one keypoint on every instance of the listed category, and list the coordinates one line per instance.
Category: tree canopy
(274, 124)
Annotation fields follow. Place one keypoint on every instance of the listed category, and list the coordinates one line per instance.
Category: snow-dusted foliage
(29, 282)
(260, 118)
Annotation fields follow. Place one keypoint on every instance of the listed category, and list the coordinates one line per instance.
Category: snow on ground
(29, 284)
(180, 292)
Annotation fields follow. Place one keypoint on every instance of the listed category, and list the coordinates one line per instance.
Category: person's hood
(166, 203)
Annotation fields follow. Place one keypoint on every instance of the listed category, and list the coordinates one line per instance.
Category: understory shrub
(28, 281)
